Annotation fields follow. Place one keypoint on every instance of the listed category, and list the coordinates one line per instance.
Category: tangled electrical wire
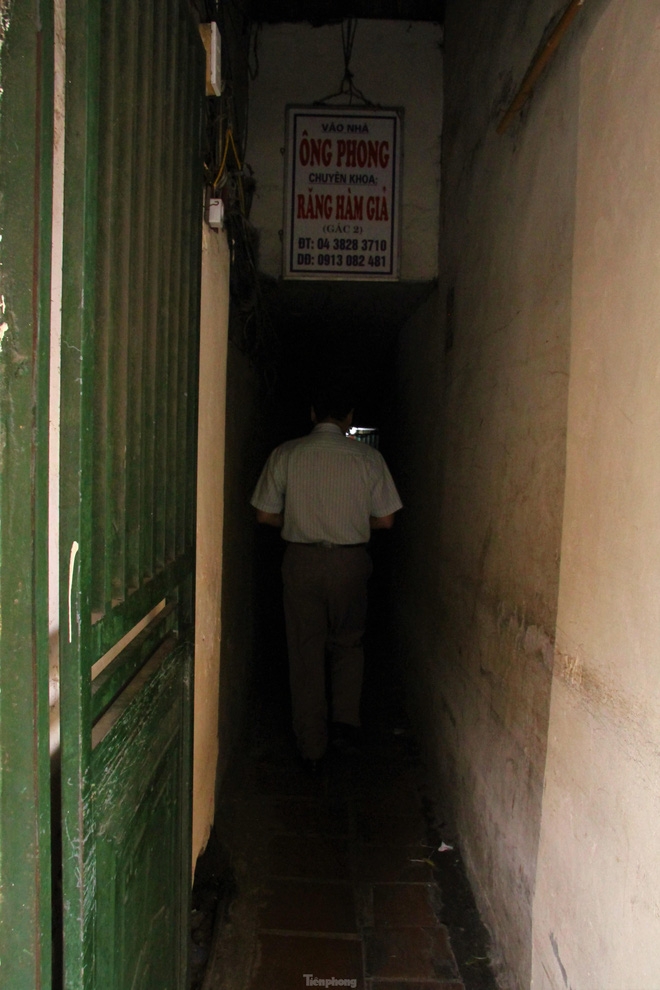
(230, 178)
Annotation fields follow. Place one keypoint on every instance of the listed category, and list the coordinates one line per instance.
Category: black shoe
(313, 768)
(346, 738)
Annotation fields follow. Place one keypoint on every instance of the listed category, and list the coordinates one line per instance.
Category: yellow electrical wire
(229, 140)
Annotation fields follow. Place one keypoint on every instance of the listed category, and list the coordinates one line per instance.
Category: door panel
(26, 119)
(138, 769)
(132, 239)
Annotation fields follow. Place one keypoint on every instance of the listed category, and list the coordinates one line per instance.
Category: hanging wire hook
(347, 86)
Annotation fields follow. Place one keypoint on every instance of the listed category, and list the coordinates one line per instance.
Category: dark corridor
(352, 878)
(354, 875)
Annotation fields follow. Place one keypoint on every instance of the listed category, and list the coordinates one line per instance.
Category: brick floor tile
(390, 864)
(403, 905)
(410, 954)
(302, 906)
(364, 905)
(308, 857)
(307, 817)
(378, 826)
(288, 781)
(414, 985)
(388, 798)
(285, 959)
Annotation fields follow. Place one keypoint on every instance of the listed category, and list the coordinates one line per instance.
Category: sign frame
(342, 193)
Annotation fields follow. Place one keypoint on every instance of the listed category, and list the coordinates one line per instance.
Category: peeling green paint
(132, 238)
(25, 184)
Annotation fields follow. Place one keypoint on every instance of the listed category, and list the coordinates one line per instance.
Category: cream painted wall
(210, 513)
(396, 64)
(530, 583)
(597, 904)
(483, 483)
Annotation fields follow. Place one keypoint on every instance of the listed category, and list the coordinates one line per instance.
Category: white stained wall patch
(5, 21)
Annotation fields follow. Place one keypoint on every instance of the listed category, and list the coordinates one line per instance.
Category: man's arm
(385, 501)
(275, 519)
(381, 522)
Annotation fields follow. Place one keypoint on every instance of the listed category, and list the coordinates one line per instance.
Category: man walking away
(326, 492)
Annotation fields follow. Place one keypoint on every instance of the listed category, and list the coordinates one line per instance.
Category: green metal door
(26, 118)
(131, 269)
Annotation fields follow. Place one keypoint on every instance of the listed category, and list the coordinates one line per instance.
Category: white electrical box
(215, 213)
(211, 39)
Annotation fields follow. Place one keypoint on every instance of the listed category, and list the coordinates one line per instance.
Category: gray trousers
(325, 606)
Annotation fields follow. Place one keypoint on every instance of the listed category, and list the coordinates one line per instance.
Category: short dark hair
(335, 400)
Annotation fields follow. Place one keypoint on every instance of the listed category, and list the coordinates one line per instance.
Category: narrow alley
(351, 876)
(206, 207)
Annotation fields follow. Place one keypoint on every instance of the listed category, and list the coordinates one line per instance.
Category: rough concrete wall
(395, 64)
(597, 906)
(210, 506)
(485, 479)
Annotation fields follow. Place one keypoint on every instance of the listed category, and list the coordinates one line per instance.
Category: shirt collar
(328, 428)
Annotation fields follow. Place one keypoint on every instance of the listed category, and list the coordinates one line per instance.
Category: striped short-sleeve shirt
(327, 485)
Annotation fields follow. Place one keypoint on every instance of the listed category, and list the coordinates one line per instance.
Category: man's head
(333, 403)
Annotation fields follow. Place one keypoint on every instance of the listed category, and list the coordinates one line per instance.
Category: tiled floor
(337, 876)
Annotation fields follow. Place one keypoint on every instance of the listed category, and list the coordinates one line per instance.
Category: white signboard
(343, 175)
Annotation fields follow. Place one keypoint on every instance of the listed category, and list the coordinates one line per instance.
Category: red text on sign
(316, 151)
(314, 207)
(349, 207)
(363, 154)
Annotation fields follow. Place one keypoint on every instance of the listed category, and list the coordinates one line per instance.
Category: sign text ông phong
(343, 175)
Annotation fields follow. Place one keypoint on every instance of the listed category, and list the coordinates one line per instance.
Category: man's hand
(381, 522)
(275, 519)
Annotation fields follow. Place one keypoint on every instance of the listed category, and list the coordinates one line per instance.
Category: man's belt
(326, 545)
